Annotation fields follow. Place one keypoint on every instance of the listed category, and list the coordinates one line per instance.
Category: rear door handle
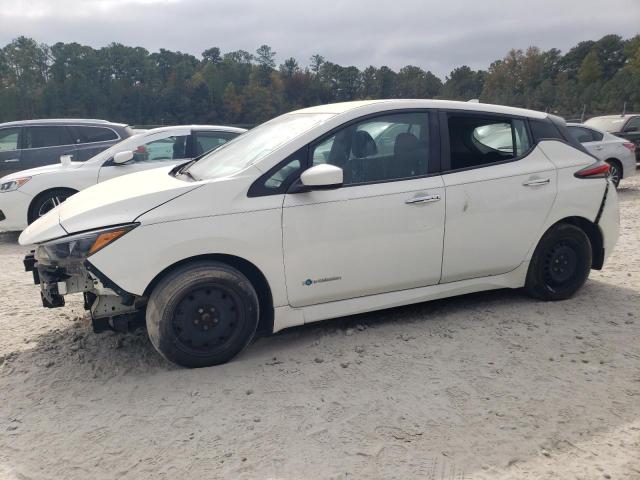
(12, 160)
(537, 182)
(423, 199)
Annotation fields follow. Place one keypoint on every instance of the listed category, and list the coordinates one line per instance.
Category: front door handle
(537, 182)
(423, 199)
(12, 160)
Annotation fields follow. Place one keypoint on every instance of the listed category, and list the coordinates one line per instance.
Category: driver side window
(169, 148)
(385, 148)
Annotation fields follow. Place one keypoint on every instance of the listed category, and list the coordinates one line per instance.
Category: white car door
(157, 150)
(382, 230)
(499, 191)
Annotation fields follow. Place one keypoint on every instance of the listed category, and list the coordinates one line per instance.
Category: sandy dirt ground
(486, 386)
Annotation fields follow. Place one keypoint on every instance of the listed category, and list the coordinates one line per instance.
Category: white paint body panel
(364, 237)
(493, 218)
(479, 235)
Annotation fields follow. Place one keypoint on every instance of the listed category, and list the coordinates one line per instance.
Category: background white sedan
(29, 194)
(618, 152)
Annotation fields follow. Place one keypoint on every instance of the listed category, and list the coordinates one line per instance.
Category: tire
(560, 265)
(615, 172)
(202, 314)
(47, 201)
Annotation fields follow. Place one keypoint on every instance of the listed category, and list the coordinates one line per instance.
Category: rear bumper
(609, 221)
(14, 207)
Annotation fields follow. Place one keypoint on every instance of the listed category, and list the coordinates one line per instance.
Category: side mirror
(66, 160)
(320, 177)
(121, 158)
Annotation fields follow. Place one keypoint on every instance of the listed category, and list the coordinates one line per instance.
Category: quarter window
(475, 141)
(633, 125)
(93, 134)
(39, 137)
(9, 139)
(385, 148)
(581, 134)
(170, 148)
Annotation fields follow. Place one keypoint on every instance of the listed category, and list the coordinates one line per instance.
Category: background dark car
(624, 126)
(33, 143)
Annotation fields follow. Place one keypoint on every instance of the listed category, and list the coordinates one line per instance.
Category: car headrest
(406, 142)
(363, 145)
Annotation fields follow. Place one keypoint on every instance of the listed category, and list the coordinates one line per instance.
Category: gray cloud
(434, 35)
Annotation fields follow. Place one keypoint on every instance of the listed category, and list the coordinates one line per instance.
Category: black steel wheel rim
(561, 264)
(207, 318)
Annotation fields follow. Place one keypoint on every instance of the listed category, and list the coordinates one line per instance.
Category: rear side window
(206, 141)
(581, 134)
(9, 139)
(93, 134)
(479, 140)
(40, 137)
(597, 136)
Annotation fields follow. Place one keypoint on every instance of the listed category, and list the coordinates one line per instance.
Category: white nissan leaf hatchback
(330, 211)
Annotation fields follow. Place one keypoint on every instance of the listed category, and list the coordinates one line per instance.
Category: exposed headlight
(12, 185)
(80, 246)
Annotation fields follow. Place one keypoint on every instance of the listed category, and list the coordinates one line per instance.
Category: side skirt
(287, 316)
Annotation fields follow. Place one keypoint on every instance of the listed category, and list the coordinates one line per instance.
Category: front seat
(362, 168)
(407, 154)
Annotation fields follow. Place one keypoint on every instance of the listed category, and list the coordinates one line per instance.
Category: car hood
(56, 167)
(114, 202)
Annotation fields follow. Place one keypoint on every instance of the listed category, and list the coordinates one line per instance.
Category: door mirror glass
(322, 176)
(123, 157)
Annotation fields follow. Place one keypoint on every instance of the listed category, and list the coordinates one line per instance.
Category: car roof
(339, 108)
(616, 116)
(217, 128)
(63, 121)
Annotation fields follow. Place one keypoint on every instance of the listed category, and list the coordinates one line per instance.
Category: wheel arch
(37, 197)
(248, 269)
(618, 163)
(594, 234)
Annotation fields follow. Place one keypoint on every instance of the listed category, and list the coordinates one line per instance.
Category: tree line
(132, 85)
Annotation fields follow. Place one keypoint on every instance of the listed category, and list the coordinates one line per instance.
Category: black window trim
(446, 152)
(434, 161)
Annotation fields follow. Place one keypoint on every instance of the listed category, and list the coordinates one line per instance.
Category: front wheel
(47, 201)
(561, 263)
(202, 314)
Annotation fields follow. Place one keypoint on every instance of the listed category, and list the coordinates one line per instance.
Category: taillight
(630, 146)
(595, 170)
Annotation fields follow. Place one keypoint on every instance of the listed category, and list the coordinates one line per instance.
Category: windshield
(254, 145)
(608, 124)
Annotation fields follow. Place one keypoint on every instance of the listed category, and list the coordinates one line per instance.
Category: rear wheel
(561, 263)
(202, 314)
(47, 201)
(615, 172)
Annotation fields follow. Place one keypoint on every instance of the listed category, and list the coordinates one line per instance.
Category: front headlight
(80, 246)
(12, 185)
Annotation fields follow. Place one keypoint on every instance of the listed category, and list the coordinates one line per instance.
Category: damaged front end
(62, 267)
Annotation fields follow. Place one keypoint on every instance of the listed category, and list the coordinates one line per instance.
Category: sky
(434, 35)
